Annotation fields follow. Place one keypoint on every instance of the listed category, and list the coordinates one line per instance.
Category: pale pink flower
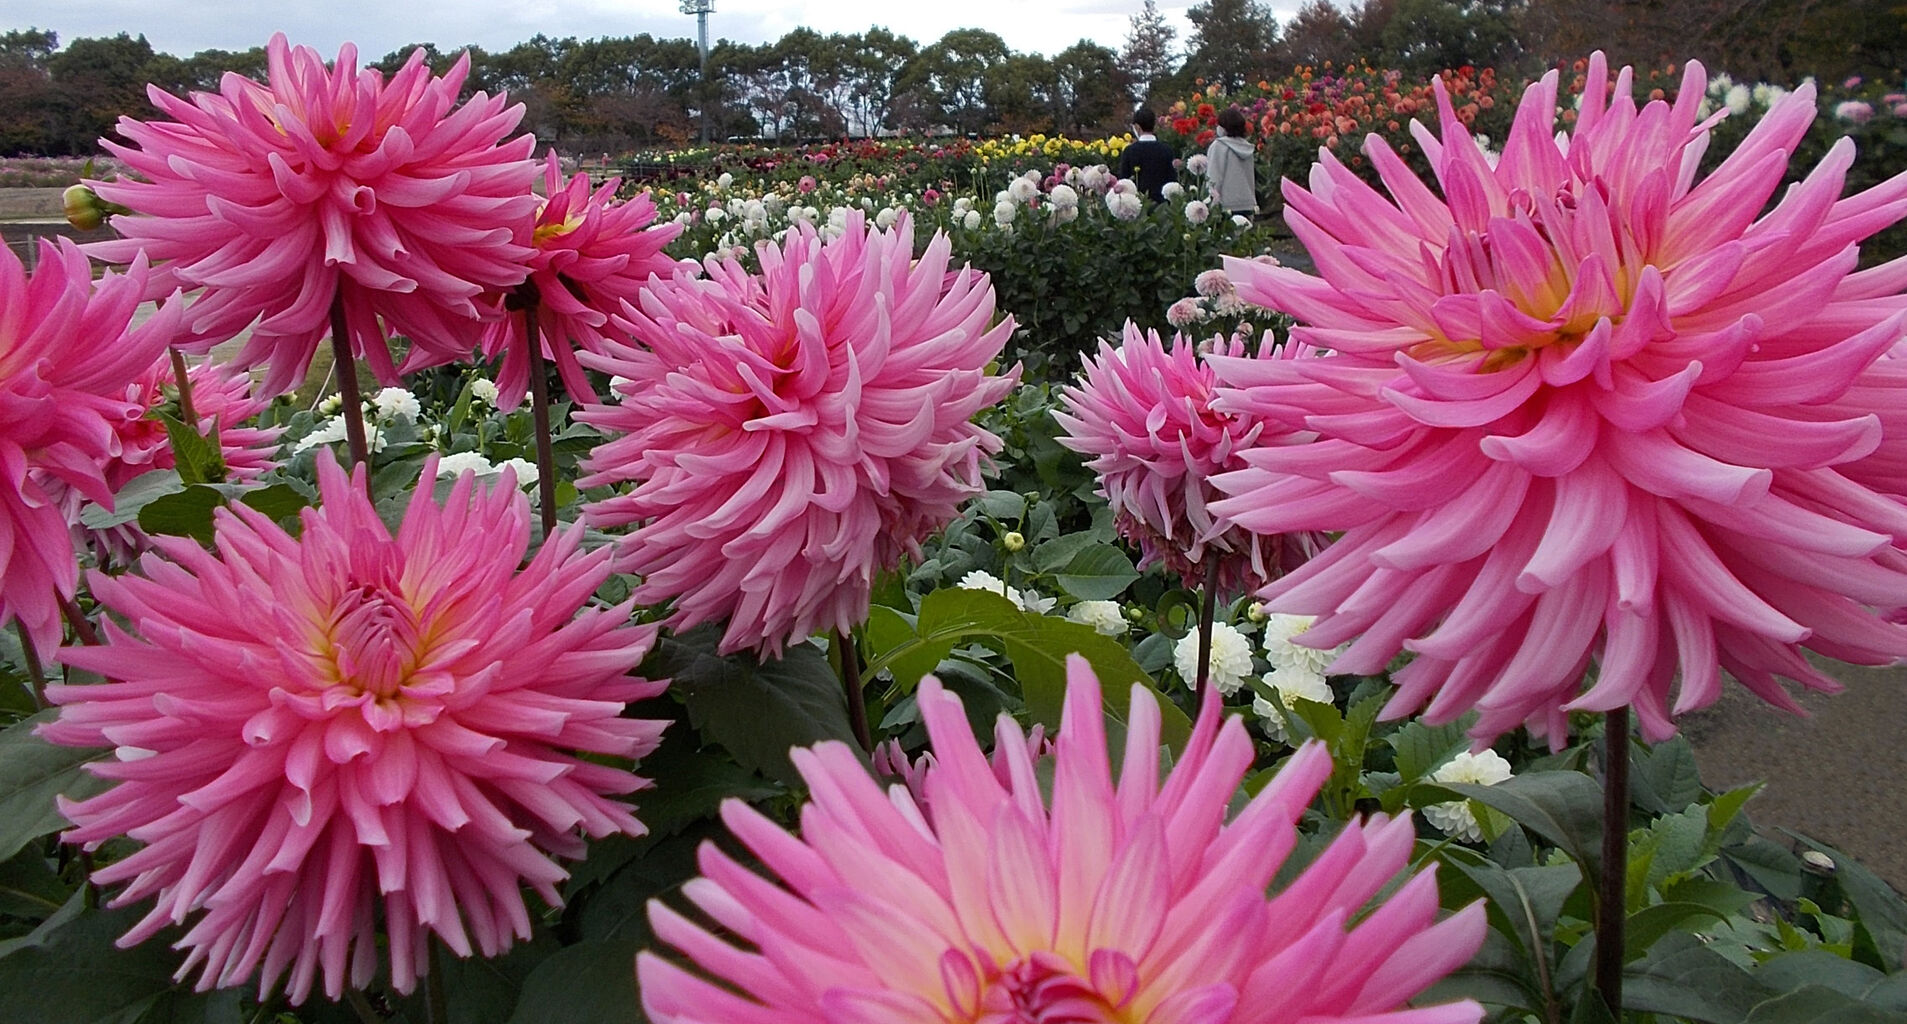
(1587, 409)
(791, 434)
(590, 253)
(1143, 417)
(68, 352)
(989, 904)
(1854, 111)
(322, 734)
(274, 198)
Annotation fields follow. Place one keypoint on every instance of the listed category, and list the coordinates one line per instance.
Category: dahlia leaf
(588, 983)
(756, 710)
(1098, 573)
(1665, 777)
(64, 980)
(1421, 748)
(185, 514)
(1564, 808)
(32, 773)
(887, 632)
(197, 455)
(1647, 926)
(1881, 911)
(136, 495)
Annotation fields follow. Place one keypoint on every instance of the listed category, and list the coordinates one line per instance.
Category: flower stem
(362, 1007)
(35, 672)
(851, 684)
(347, 369)
(1208, 606)
(540, 412)
(1612, 905)
(82, 629)
(436, 1000)
(179, 377)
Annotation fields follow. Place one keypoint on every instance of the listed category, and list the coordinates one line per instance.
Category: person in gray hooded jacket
(1229, 165)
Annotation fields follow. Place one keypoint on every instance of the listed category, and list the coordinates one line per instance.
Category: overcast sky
(183, 27)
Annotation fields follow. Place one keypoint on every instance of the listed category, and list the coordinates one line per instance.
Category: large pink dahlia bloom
(986, 904)
(1144, 419)
(322, 733)
(793, 433)
(590, 253)
(1582, 408)
(329, 181)
(68, 354)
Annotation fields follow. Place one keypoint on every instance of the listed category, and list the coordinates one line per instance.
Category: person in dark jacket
(1146, 160)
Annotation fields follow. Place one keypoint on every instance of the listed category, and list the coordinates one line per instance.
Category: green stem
(1612, 904)
(540, 412)
(851, 685)
(179, 371)
(82, 629)
(35, 672)
(362, 1007)
(1208, 608)
(436, 1000)
(346, 367)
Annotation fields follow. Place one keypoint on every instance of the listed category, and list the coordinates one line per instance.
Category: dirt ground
(1839, 775)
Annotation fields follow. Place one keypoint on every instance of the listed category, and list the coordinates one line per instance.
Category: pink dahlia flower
(793, 433)
(590, 253)
(1143, 417)
(1587, 409)
(329, 181)
(222, 399)
(1134, 902)
(68, 353)
(316, 735)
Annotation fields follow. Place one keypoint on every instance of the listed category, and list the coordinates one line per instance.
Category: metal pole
(701, 10)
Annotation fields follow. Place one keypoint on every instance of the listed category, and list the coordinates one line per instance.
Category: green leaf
(619, 910)
(1004, 505)
(1056, 554)
(197, 456)
(29, 887)
(133, 497)
(1882, 911)
(885, 634)
(1565, 808)
(1038, 651)
(1663, 778)
(1818, 1004)
(588, 983)
(691, 784)
(1790, 971)
(1682, 977)
(1098, 573)
(757, 711)
(279, 501)
(185, 514)
(79, 977)
(1422, 749)
(32, 773)
(1649, 924)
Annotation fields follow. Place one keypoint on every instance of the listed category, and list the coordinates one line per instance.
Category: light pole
(701, 10)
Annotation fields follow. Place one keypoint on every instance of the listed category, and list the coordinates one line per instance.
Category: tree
(31, 109)
(1320, 32)
(950, 77)
(103, 79)
(873, 59)
(1091, 89)
(1148, 57)
(1427, 36)
(1232, 41)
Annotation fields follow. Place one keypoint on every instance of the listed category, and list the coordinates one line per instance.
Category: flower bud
(1013, 541)
(84, 209)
